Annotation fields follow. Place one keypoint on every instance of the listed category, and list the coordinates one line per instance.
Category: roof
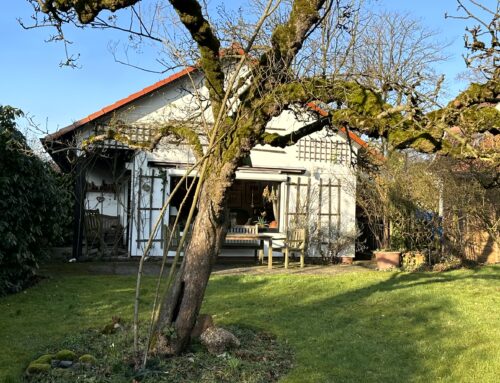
(152, 88)
(352, 136)
(120, 103)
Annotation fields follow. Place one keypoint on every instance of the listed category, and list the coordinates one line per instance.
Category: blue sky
(32, 80)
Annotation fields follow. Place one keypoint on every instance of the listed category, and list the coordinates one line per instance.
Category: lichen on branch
(86, 10)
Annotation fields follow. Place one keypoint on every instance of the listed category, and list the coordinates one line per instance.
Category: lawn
(370, 327)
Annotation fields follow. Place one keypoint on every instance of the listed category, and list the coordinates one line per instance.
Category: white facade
(319, 159)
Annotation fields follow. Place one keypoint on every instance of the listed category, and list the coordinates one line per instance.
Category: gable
(176, 98)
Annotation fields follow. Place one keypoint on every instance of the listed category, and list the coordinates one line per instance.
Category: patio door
(151, 193)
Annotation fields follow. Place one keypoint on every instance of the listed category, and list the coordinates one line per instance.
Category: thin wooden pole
(287, 203)
(339, 190)
(151, 193)
(79, 209)
(319, 202)
(329, 210)
(139, 212)
(297, 201)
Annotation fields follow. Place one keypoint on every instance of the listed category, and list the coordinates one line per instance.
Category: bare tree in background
(481, 38)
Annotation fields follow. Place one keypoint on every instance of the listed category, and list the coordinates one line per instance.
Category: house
(277, 187)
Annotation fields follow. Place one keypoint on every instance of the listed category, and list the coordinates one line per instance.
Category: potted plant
(261, 221)
(390, 257)
(387, 259)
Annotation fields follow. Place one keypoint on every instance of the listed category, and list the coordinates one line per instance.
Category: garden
(371, 326)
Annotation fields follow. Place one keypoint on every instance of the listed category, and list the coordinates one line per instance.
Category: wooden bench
(244, 243)
(102, 230)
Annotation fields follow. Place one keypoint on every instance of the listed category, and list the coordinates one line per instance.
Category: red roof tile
(120, 103)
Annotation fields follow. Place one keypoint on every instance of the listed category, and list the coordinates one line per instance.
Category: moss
(286, 33)
(66, 355)
(424, 141)
(87, 358)
(476, 93)
(38, 368)
(47, 358)
(478, 119)
(186, 134)
(86, 10)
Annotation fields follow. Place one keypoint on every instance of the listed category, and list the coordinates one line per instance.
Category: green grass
(370, 327)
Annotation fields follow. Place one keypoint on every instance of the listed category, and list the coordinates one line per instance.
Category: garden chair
(93, 231)
(295, 242)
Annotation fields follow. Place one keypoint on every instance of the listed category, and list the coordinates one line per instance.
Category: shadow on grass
(357, 327)
(405, 327)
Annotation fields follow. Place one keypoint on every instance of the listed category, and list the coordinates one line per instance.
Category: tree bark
(182, 304)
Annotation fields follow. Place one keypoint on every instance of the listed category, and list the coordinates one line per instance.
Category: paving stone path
(153, 267)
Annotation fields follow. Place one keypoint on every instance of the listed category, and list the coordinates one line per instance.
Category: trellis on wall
(306, 203)
(323, 151)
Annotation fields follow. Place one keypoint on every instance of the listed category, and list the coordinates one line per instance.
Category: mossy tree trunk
(181, 306)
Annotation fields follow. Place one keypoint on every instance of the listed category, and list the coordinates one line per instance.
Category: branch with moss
(191, 15)
(86, 11)
(282, 141)
(183, 133)
(287, 39)
(120, 133)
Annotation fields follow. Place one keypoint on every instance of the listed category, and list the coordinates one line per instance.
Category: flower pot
(273, 224)
(388, 259)
(346, 260)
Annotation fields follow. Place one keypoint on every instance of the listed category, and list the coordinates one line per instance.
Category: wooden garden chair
(93, 230)
(295, 242)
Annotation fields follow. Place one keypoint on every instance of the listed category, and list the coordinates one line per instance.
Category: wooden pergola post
(79, 207)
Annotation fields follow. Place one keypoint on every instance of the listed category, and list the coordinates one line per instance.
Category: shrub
(449, 262)
(414, 261)
(34, 207)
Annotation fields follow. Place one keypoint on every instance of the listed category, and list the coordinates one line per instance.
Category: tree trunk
(182, 304)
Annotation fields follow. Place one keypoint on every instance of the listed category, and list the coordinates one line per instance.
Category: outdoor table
(262, 237)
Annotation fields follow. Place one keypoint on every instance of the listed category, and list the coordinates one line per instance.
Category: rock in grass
(66, 355)
(88, 359)
(203, 322)
(38, 368)
(65, 364)
(217, 340)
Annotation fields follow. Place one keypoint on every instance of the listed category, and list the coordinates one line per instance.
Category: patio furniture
(295, 242)
(102, 231)
(237, 239)
(245, 237)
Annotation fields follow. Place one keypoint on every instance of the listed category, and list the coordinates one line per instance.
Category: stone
(65, 363)
(66, 355)
(203, 322)
(347, 260)
(217, 340)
